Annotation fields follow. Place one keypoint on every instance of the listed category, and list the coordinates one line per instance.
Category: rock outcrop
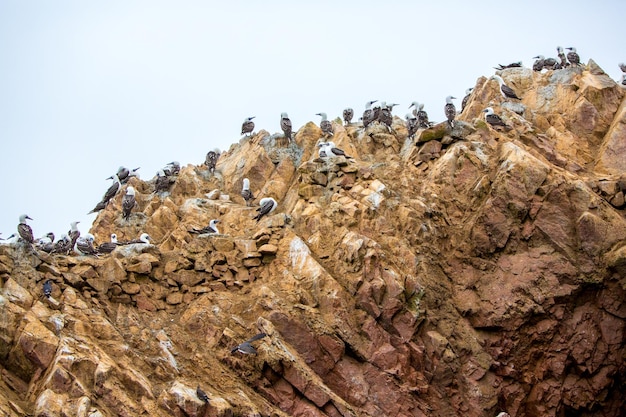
(466, 272)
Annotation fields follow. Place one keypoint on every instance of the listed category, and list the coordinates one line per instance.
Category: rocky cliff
(464, 273)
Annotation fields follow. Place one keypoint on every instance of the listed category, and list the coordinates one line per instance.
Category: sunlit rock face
(469, 271)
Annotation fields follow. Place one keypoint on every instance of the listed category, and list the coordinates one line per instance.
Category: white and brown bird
(210, 229)
(24, 230)
(539, 63)
(211, 159)
(348, 114)
(493, 119)
(163, 182)
(505, 90)
(332, 150)
(562, 57)
(128, 202)
(385, 116)
(368, 114)
(325, 124)
(266, 206)
(108, 247)
(144, 238)
(63, 245)
(572, 56)
(450, 110)
(422, 116)
(247, 127)
(109, 194)
(173, 168)
(411, 125)
(622, 66)
(285, 125)
(245, 191)
(246, 347)
(84, 245)
(468, 94)
(73, 233)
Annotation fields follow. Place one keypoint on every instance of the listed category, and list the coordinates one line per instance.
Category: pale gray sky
(87, 86)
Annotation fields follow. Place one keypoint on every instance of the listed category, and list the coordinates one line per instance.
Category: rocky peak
(469, 271)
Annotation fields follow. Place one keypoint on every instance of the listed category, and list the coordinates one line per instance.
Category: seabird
(211, 159)
(507, 92)
(551, 64)
(173, 168)
(24, 230)
(63, 245)
(245, 191)
(385, 115)
(47, 288)
(368, 114)
(211, 228)
(246, 347)
(84, 245)
(321, 152)
(422, 117)
(572, 56)
(162, 182)
(539, 63)
(108, 247)
(493, 119)
(450, 110)
(411, 125)
(325, 125)
(561, 55)
(122, 173)
(46, 243)
(285, 125)
(468, 94)
(348, 114)
(128, 202)
(247, 126)
(415, 106)
(202, 395)
(266, 206)
(511, 65)
(332, 150)
(73, 233)
(623, 79)
(109, 194)
(144, 238)
(622, 66)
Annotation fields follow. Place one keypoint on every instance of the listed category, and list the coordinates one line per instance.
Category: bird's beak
(109, 178)
(29, 218)
(536, 57)
(454, 98)
(485, 111)
(252, 117)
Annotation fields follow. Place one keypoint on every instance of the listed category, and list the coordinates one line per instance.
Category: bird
(202, 395)
(562, 57)
(128, 202)
(24, 230)
(47, 288)
(348, 114)
(246, 347)
(211, 228)
(385, 116)
(285, 125)
(507, 92)
(468, 94)
(73, 233)
(162, 182)
(368, 114)
(211, 159)
(539, 63)
(325, 125)
(266, 206)
(247, 127)
(411, 125)
(450, 110)
(422, 116)
(623, 79)
(84, 245)
(321, 152)
(173, 168)
(109, 194)
(63, 245)
(622, 66)
(245, 191)
(572, 56)
(493, 119)
(144, 238)
(108, 247)
(332, 150)
(511, 65)
(551, 63)
(46, 243)
(122, 173)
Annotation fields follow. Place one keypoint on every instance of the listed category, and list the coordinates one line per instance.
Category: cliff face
(478, 273)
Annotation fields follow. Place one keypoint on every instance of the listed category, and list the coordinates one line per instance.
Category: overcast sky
(87, 86)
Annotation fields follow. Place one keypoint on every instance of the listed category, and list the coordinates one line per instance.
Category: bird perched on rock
(211, 228)
(63, 245)
(144, 238)
(450, 110)
(108, 195)
(493, 119)
(84, 245)
(572, 56)
(246, 347)
(348, 114)
(128, 202)
(562, 57)
(47, 288)
(622, 66)
(124, 174)
(411, 125)
(420, 114)
(73, 233)
(173, 168)
(162, 182)
(623, 79)
(24, 230)
(211, 159)
(266, 206)
(325, 125)
(285, 125)
(108, 247)
(368, 114)
(468, 94)
(517, 64)
(46, 243)
(247, 127)
(505, 90)
(245, 191)
(385, 116)
(332, 150)
(538, 64)
(202, 395)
